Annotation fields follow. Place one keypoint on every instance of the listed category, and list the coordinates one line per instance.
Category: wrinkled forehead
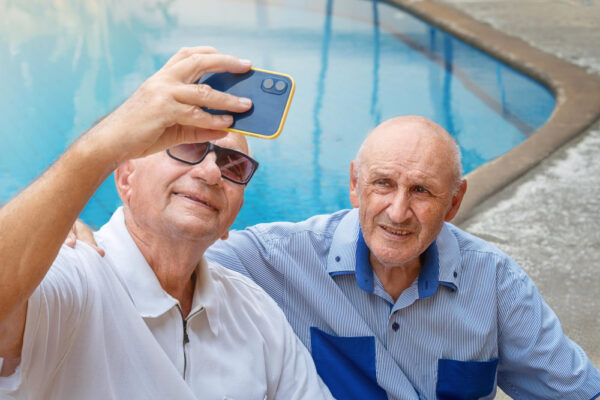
(233, 141)
(411, 142)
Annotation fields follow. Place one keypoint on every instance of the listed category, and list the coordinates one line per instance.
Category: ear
(354, 195)
(456, 200)
(123, 175)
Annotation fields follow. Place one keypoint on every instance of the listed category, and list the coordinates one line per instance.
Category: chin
(393, 257)
(190, 227)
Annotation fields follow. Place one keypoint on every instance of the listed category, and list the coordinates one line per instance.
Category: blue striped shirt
(472, 319)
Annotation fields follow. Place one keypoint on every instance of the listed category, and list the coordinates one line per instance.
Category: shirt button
(395, 326)
(337, 258)
(455, 274)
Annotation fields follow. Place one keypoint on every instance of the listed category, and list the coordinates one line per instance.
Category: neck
(174, 262)
(395, 279)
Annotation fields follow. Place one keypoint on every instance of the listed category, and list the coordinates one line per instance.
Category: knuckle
(203, 90)
(208, 49)
(197, 57)
(194, 111)
(185, 51)
(197, 114)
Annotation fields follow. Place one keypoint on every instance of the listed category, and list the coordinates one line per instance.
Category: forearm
(11, 340)
(35, 223)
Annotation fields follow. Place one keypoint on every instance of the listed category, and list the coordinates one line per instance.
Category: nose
(399, 209)
(207, 170)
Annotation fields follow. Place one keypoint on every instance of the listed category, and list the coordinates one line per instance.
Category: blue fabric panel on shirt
(346, 365)
(364, 272)
(428, 278)
(465, 380)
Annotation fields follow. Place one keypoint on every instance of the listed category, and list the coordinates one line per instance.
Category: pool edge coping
(577, 94)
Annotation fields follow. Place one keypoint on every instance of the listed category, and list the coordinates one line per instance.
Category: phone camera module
(280, 86)
(268, 83)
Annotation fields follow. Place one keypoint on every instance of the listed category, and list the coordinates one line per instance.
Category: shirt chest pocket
(465, 380)
(346, 365)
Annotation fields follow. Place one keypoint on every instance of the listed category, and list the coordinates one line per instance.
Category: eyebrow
(416, 178)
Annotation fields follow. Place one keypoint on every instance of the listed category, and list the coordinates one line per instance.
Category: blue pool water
(356, 63)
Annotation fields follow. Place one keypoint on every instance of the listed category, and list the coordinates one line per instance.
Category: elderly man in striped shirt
(393, 301)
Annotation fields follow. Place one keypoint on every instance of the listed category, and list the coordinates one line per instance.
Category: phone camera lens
(280, 86)
(268, 83)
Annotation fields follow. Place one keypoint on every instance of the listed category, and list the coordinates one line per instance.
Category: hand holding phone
(271, 94)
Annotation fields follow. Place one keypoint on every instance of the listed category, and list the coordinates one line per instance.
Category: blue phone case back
(268, 103)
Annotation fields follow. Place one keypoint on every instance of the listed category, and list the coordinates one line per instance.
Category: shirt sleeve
(537, 360)
(53, 311)
(252, 254)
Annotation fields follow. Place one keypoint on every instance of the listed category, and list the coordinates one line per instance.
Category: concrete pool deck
(540, 202)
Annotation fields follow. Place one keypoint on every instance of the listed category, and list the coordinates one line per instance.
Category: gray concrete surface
(549, 219)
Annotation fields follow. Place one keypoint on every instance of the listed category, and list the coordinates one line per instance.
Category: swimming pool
(356, 63)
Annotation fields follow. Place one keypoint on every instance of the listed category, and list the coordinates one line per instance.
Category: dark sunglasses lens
(189, 152)
(235, 166)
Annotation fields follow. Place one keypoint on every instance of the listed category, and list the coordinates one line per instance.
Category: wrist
(93, 154)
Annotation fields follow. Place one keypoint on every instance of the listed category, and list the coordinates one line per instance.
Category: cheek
(149, 192)
(430, 214)
(235, 200)
(373, 203)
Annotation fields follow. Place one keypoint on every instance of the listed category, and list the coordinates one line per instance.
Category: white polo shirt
(103, 328)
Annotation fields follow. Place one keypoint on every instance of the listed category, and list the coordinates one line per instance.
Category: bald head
(414, 136)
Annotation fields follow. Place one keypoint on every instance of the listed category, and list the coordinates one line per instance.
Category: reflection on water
(64, 64)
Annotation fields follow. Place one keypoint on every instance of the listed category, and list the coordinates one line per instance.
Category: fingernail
(245, 101)
(227, 118)
(245, 62)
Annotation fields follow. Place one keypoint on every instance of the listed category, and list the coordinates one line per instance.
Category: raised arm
(163, 112)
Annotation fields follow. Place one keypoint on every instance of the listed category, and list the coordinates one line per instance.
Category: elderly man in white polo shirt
(152, 319)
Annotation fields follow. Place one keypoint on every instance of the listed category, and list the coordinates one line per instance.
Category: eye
(419, 189)
(382, 182)
(233, 167)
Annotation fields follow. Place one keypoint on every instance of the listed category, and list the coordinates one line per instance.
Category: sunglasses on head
(235, 166)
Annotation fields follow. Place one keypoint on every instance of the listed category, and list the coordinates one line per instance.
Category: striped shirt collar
(349, 255)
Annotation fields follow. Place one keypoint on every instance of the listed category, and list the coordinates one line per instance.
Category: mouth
(399, 232)
(196, 199)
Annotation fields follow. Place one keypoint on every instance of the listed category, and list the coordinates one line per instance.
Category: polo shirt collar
(206, 296)
(349, 255)
(144, 288)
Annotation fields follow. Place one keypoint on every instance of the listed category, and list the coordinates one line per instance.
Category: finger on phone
(185, 52)
(196, 117)
(192, 134)
(190, 69)
(205, 96)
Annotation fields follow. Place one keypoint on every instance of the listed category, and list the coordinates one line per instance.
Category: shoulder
(230, 280)
(74, 265)
(323, 225)
(476, 252)
(468, 242)
(244, 298)
(77, 271)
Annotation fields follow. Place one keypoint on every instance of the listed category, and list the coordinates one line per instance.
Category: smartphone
(271, 94)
